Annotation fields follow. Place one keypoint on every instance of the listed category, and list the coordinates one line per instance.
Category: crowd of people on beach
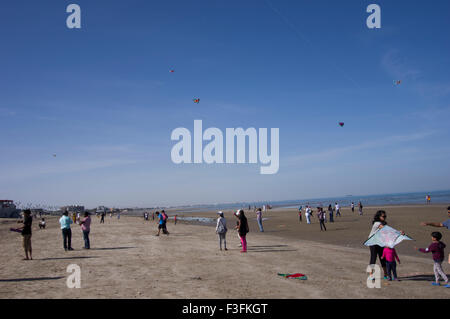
(322, 215)
(387, 256)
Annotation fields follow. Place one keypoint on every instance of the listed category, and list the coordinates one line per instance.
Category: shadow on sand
(422, 277)
(30, 279)
(268, 248)
(112, 248)
(74, 257)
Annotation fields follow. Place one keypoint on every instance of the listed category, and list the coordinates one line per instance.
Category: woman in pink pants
(242, 228)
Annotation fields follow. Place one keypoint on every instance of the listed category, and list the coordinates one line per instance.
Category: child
(437, 248)
(42, 223)
(390, 255)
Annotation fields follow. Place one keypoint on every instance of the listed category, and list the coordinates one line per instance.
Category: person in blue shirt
(65, 222)
(162, 222)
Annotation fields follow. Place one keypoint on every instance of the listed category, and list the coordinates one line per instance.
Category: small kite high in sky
(172, 71)
(397, 82)
(54, 155)
(196, 100)
(341, 124)
(386, 237)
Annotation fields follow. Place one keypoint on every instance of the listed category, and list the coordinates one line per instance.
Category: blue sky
(102, 99)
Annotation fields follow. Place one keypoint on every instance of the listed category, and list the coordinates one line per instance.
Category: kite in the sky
(397, 82)
(341, 124)
(196, 100)
(386, 237)
(171, 71)
(54, 155)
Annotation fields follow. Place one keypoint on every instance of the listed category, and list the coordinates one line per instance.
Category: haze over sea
(441, 197)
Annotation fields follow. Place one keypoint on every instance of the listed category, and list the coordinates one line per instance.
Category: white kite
(386, 237)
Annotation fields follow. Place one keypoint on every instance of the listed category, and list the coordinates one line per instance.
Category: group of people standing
(65, 222)
(85, 224)
(322, 215)
(388, 256)
(241, 227)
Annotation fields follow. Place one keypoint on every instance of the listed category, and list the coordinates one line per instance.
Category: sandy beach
(127, 260)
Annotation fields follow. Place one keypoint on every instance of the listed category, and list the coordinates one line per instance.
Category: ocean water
(441, 197)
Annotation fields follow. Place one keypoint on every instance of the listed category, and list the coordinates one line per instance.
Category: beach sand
(127, 260)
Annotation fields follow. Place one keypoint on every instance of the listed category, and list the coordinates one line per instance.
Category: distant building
(73, 209)
(8, 209)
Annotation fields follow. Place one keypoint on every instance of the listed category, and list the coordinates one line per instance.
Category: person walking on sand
(175, 219)
(321, 216)
(102, 220)
(338, 209)
(65, 222)
(300, 213)
(85, 224)
(118, 214)
(162, 223)
(330, 213)
(360, 208)
(390, 255)
(221, 230)
(353, 207)
(74, 217)
(259, 219)
(437, 249)
(243, 229)
(26, 234)
(308, 213)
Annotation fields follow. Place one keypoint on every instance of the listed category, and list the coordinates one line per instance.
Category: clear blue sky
(102, 98)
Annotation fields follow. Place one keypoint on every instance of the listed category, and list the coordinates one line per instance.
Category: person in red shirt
(390, 255)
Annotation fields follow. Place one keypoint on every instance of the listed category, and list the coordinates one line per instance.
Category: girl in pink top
(390, 255)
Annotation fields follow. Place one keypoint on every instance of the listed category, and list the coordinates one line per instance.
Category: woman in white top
(379, 221)
(221, 230)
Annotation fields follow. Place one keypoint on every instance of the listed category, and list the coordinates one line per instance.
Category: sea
(437, 197)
